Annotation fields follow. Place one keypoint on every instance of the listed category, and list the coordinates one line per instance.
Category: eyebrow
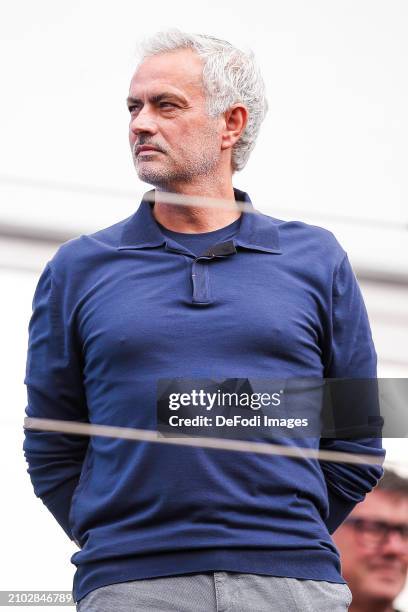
(155, 99)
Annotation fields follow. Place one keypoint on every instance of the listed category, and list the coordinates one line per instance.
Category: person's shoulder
(302, 236)
(84, 250)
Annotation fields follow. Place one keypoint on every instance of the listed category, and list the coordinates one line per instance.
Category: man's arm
(55, 391)
(350, 354)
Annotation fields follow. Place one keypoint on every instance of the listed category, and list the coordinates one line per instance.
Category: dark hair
(392, 482)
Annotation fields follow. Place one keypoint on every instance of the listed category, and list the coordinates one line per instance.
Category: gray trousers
(218, 592)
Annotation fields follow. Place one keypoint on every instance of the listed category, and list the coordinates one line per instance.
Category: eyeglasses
(375, 533)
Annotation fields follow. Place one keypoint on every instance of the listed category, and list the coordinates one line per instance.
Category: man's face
(375, 571)
(167, 108)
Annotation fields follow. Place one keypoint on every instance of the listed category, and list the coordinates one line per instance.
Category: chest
(250, 305)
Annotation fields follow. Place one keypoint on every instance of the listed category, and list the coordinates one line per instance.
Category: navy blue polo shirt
(119, 309)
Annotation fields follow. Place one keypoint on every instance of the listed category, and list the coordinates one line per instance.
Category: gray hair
(392, 482)
(230, 76)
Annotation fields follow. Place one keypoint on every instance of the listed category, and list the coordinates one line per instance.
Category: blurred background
(332, 152)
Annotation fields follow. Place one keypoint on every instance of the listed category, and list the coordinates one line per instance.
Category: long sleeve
(350, 354)
(54, 390)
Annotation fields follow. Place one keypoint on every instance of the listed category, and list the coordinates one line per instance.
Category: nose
(143, 122)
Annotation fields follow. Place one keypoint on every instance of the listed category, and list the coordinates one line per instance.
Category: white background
(332, 151)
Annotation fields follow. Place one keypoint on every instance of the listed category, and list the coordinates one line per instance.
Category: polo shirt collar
(256, 231)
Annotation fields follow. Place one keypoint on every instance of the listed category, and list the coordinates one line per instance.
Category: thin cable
(96, 190)
(146, 435)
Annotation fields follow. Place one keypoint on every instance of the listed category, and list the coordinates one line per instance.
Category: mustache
(150, 143)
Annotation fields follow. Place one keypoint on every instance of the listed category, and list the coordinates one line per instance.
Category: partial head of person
(196, 105)
(373, 545)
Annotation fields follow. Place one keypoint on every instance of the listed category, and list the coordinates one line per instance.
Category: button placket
(200, 274)
(201, 282)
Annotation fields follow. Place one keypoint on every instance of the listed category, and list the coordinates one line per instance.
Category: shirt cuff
(59, 504)
(339, 509)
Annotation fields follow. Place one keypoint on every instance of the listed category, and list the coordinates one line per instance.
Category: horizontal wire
(96, 190)
(147, 435)
(181, 199)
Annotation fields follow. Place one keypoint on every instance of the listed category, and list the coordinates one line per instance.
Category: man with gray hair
(180, 292)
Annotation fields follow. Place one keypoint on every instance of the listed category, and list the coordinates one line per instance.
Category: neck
(194, 219)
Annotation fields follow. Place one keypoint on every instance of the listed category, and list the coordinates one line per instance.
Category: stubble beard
(203, 164)
(166, 178)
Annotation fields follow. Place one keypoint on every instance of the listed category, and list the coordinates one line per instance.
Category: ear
(236, 118)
